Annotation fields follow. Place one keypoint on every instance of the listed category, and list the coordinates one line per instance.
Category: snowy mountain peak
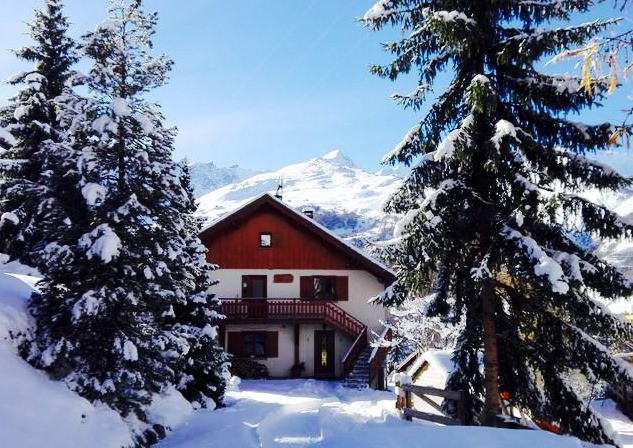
(337, 157)
(206, 176)
(346, 199)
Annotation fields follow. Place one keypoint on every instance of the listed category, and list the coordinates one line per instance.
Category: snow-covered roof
(440, 360)
(370, 264)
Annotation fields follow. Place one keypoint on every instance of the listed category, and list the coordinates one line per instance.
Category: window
(254, 286)
(265, 240)
(324, 288)
(254, 343)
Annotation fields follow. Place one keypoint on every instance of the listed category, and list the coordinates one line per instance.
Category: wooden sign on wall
(283, 278)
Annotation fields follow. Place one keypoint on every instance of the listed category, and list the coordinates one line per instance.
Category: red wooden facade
(297, 242)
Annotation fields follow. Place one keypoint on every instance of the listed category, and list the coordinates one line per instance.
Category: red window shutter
(306, 287)
(272, 344)
(235, 343)
(342, 288)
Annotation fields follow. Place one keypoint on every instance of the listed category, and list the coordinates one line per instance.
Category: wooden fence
(404, 402)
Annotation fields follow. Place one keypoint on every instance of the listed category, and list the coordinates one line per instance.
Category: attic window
(265, 240)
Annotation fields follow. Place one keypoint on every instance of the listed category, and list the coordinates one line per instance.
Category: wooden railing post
(408, 404)
(461, 408)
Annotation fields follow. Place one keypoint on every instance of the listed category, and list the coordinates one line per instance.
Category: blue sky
(268, 83)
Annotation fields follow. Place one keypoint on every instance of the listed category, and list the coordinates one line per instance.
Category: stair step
(358, 378)
(356, 385)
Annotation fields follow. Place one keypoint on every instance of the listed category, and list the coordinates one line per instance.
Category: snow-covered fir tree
(414, 331)
(31, 211)
(205, 366)
(123, 312)
(493, 196)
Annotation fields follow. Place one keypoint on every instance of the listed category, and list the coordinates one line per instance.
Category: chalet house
(294, 294)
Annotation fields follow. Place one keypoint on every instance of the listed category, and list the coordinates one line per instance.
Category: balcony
(290, 310)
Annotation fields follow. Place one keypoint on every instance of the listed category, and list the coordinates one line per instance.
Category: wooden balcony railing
(291, 310)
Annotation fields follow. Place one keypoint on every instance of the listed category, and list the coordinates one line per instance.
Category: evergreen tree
(493, 196)
(123, 311)
(414, 331)
(31, 211)
(205, 366)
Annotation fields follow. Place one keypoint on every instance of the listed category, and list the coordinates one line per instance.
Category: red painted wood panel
(237, 247)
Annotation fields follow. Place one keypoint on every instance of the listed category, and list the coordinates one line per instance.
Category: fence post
(461, 408)
(408, 403)
(398, 396)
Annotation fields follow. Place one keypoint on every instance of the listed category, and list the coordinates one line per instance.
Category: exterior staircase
(359, 376)
(368, 368)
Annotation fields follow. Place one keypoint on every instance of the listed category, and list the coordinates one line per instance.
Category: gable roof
(379, 270)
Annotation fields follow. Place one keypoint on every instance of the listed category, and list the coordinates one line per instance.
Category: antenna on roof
(280, 190)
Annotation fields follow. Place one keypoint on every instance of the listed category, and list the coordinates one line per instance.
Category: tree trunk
(492, 404)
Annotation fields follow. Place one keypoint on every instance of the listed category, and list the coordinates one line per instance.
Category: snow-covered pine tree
(205, 366)
(106, 318)
(494, 191)
(414, 331)
(30, 211)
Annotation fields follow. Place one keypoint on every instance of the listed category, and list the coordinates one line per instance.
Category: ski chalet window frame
(336, 291)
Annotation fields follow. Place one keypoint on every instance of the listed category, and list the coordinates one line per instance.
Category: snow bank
(620, 425)
(35, 411)
(417, 436)
(170, 408)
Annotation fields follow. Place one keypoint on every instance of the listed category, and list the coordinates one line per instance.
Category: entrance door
(324, 353)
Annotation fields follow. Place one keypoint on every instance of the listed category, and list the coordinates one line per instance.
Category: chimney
(280, 191)
(308, 211)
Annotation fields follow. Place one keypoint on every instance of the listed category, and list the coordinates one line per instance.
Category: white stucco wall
(362, 287)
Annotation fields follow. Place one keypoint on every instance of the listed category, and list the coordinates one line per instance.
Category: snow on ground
(310, 413)
(620, 423)
(36, 412)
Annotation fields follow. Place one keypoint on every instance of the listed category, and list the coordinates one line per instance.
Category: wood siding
(292, 247)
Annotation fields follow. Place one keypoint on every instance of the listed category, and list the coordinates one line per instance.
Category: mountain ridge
(347, 200)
